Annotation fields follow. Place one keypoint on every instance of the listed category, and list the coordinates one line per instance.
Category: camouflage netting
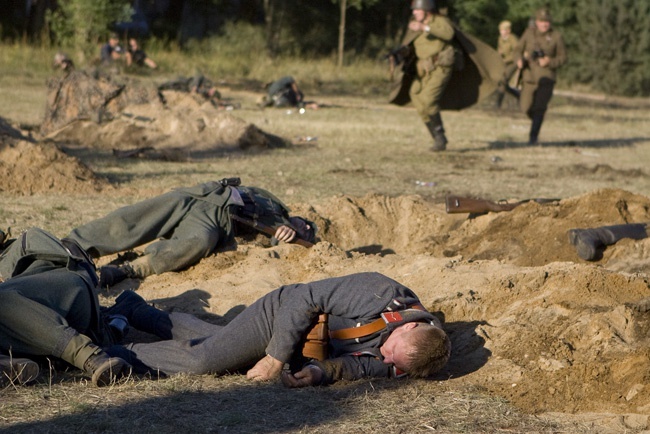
(80, 95)
(98, 112)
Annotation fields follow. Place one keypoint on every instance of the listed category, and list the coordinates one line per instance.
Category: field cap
(505, 25)
(543, 14)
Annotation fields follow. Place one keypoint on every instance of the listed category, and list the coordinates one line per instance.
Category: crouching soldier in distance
(377, 328)
(49, 307)
(186, 225)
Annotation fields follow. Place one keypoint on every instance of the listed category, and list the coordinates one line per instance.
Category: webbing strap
(366, 329)
(357, 332)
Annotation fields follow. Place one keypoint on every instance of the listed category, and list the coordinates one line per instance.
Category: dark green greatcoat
(477, 72)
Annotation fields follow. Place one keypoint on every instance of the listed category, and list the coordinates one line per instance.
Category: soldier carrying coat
(441, 68)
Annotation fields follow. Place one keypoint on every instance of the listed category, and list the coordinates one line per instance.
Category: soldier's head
(62, 62)
(305, 229)
(113, 40)
(504, 28)
(417, 348)
(543, 20)
(422, 8)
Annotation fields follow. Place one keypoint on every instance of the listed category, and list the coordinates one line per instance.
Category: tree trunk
(274, 17)
(344, 8)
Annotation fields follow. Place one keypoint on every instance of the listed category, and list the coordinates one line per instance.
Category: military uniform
(275, 325)
(435, 60)
(506, 49)
(538, 82)
(283, 92)
(189, 222)
(48, 299)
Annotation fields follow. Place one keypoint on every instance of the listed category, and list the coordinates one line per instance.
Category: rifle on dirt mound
(459, 205)
(268, 229)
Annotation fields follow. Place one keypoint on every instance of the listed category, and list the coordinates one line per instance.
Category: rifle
(458, 205)
(268, 229)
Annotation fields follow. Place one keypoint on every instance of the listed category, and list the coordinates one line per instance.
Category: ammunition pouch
(426, 65)
(316, 341)
(446, 58)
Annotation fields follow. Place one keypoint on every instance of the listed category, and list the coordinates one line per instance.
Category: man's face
(113, 42)
(398, 346)
(542, 26)
(419, 14)
(133, 44)
(505, 32)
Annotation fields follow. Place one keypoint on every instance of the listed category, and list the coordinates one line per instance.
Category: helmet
(427, 5)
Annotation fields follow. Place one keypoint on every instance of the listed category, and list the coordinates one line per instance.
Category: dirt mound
(27, 168)
(530, 235)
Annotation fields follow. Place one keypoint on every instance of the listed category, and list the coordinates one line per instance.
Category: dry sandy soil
(529, 320)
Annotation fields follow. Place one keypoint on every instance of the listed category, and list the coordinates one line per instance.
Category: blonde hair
(430, 350)
(505, 25)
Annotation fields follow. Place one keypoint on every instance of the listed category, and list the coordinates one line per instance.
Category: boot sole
(585, 250)
(111, 371)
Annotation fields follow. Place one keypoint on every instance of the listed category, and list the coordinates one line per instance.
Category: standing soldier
(539, 53)
(506, 48)
(435, 60)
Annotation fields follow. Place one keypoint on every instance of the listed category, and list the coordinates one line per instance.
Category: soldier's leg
(133, 225)
(538, 107)
(588, 242)
(30, 328)
(214, 349)
(194, 238)
(426, 99)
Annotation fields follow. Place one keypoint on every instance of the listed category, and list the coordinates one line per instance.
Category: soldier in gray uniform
(387, 333)
(49, 307)
(189, 223)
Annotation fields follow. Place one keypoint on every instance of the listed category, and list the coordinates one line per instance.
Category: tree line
(608, 41)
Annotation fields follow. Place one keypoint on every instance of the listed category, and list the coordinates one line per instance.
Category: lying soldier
(378, 328)
(189, 223)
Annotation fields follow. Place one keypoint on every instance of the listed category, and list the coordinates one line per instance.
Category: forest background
(608, 40)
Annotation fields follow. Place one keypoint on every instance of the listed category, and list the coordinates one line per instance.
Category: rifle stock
(268, 230)
(459, 205)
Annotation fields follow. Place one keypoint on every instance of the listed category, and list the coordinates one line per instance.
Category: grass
(209, 404)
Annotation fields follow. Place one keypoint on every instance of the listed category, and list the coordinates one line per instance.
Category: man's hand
(416, 26)
(285, 233)
(544, 61)
(310, 375)
(266, 369)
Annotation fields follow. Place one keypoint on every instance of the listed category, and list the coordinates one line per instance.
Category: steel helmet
(427, 5)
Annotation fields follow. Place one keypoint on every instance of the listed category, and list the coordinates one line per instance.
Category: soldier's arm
(360, 296)
(441, 28)
(560, 57)
(352, 368)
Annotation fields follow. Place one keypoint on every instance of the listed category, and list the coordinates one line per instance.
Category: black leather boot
(434, 125)
(589, 242)
(534, 128)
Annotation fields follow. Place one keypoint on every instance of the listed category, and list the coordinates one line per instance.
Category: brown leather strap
(366, 329)
(357, 332)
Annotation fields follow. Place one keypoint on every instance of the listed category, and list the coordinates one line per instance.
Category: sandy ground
(529, 320)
